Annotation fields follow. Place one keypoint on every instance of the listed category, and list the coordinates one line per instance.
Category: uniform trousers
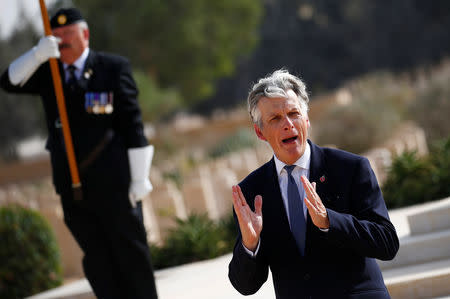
(112, 236)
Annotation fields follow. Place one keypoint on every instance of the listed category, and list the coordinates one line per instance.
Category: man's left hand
(316, 209)
(138, 190)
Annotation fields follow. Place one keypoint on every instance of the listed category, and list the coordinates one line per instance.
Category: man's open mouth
(290, 140)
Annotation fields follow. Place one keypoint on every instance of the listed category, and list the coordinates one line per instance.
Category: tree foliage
(156, 103)
(185, 45)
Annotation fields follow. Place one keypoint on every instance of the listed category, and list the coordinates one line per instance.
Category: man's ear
(308, 127)
(259, 132)
(86, 34)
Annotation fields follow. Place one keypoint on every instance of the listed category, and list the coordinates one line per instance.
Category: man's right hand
(250, 223)
(47, 47)
(23, 67)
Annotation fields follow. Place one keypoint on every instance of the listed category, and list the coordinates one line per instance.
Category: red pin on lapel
(322, 179)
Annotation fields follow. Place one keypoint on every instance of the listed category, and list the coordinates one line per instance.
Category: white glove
(23, 67)
(140, 162)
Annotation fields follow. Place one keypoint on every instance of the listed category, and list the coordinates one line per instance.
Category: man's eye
(294, 114)
(274, 119)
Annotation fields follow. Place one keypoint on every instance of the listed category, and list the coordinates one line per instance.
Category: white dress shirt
(301, 168)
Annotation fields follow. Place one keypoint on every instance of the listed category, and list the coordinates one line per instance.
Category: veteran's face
(283, 126)
(74, 39)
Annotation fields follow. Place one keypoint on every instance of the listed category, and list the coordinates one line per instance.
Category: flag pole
(76, 183)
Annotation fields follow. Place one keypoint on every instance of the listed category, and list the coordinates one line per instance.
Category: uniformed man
(111, 150)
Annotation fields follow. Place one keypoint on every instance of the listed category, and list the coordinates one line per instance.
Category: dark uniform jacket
(339, 263)
(104, 119)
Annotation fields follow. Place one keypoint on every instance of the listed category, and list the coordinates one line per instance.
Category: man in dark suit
(111, 150)
(319, 239)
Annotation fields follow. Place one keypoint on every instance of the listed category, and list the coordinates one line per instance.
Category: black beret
(66, 16)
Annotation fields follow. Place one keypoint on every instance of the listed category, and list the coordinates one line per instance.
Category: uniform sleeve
(367, 230)
(32, 86)
(128, 118)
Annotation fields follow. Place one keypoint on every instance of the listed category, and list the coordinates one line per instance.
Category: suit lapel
(317, 174)
(317, 166)
(274, 203)
(88, 71)
(62, 73)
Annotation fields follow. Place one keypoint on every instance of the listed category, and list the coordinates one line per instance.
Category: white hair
(276, 85)
(82, 25)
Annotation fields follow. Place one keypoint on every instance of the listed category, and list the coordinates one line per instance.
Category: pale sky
(9, 14)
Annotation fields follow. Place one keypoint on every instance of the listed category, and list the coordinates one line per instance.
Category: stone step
(418, 249)
(79, 289)
(428, 280)
(433, 216)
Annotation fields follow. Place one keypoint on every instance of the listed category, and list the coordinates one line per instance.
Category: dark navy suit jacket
(339, 263)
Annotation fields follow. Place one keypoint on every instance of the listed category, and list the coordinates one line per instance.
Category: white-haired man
(319, 239)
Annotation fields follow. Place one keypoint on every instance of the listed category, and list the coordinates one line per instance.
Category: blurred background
(377, 72)
(200, 58)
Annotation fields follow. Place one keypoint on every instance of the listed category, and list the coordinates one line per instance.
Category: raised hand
(47, 48)
(314, 204)
(250, 223)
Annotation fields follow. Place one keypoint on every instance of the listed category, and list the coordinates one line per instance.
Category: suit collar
(88, 71)
(80, 62)
(303, 162)
(317, 167)
(317, 172)
(273, 207)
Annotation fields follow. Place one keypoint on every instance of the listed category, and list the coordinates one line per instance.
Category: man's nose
(287, 124)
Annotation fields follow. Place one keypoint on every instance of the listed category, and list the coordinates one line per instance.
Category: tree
(186, 45)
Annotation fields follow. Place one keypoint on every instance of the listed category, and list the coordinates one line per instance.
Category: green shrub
(407, 182)
(228, 229)
(29, 254)
(413, 180)
(194, 239)
(440, 159)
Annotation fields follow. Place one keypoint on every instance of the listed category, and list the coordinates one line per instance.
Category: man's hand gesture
(250, 223)
(316, 209)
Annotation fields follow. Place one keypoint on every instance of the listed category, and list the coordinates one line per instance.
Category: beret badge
(62, 19)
